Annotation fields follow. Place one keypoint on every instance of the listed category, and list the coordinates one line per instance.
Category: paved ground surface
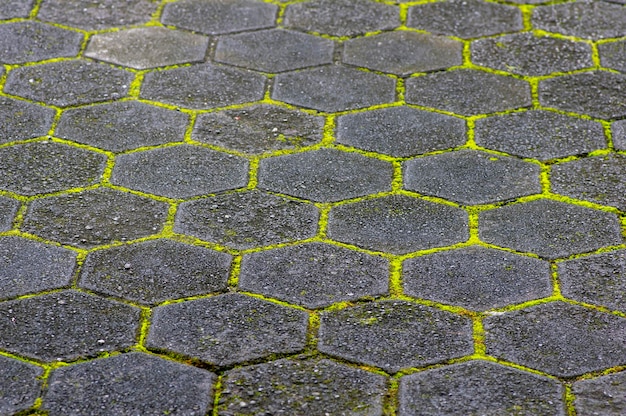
(322, 207)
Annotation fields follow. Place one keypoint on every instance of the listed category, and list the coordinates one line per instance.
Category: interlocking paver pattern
(312, 207)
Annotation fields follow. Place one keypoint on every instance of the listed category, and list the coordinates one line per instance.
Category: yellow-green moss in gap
(144, 318)
(80, 260)
(395, 277)
(135, 85)
(235, 269)
(217, 392)
(478, 334)
(328, 135)
(322, 227)
(254, 169)
(472, 222)
(569, 400)
(554, 273)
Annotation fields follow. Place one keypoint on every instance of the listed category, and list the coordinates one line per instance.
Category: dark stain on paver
(479, 388)
(397, 224)
(400, 131)
(549, 228)
(258, 129)
(605, 395)
(598, 279)
(122, 126)
(180, 171)
(28, 266)
(477, 278)
(95, 217)
(314, 275)
(325, 175)
(128, 385)
(558, 338)
(471, 177)
(542, 135)
(155, 271)
(20, 120)
(247, 219)
(20, 385)
(394, 335)
(22, 42)
(227, 329)
(301, 388)
(66, 326)
(44, 167)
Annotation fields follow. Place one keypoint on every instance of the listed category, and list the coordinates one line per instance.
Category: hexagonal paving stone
(66, 326)
(247, 219)
(203, 86)
(258, 129)
(618, 129)
(613, 55)
(180, 171)
(539, 134)
(68, 83)
(8, 209)
(274, 50)
(325, 175)
(471, 177)
(397, 224)
(477, 278)
(394, 335)
(33, 41)
(129, 384)
(403, 53)
(526, 54)
(597, 179)
(228, 329)
(21, 120)
(598, 94)
(585, 19)
(549, 228)
(463, 92)
(604, 395)
(400, 131)
(333, 88)
(43, 167)
(465, 18)
(148, 47)
(122, 126)
(558, 338)
(216, 17)
(96, 15)
(598, 279)
(90, 218)
(479, 388)
(314, 275)
(10, 9)
(29, 266)
(341, 17)
(19, 385)
(155, 271)
(299, 388)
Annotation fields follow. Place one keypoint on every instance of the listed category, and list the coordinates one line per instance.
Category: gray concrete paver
(21, 120)
(28, 266)
(129, 384)
(613, 55)
(44, 167)
(22, 42)
(66, 326)
(604, 395)
(477, 278)
(20, 385)
(10, 9)
(325, 175)
(541, 135)
(301, 388)
(314, 275)
(618, 129)
(394, 335)
(180, 171)
(258, 129)
(155, 271)
(8, 209)
(227, 329)
(559, 338)
(122, 126)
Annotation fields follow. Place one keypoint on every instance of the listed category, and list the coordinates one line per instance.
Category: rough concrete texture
(395, 335)
(314, 275)
(8, 209)
(476, 278)
(228, 329)
(20, 120)
(613, 55)
(10, 9)
(618, 129)
(129, 384)
(20, 385)
(155, 271)
(604, 395)
(32, 41)
(301, 388)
